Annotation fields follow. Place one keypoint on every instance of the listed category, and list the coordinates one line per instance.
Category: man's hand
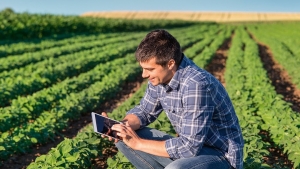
(128, 135)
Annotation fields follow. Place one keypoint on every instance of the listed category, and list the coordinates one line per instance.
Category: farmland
(53, 77)
(199, 16)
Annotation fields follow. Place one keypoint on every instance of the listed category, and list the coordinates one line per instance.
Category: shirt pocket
(175, 116)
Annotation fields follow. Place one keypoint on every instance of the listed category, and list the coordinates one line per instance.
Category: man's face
(157, 74)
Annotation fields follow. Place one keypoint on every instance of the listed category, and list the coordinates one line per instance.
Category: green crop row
(42, 44)
(209, 52)
(51, 73)
(43, 74)
(17, 61)
(28, 108)
(278, 117)
(239, 89)
(92, 143)
(38, 45)
(259, 107)
(51, 122)
(284, 44)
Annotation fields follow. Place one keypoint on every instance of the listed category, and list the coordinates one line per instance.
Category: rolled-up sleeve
(196, 120)
(149, 108)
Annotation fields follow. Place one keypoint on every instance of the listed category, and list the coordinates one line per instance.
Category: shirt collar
(174, 82)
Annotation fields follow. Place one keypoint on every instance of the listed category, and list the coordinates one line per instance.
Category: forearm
(133, 121)
(152, 147)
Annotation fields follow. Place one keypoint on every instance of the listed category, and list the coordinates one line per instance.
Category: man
(197, 105)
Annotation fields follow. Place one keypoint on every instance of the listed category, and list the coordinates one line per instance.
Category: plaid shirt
(200, 111)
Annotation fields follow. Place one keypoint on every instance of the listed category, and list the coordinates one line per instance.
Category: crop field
(54, 72)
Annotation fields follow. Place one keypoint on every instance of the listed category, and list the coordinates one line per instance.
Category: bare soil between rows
(21, 161)
(280, 78)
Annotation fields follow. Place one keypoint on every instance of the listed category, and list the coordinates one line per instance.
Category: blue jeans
(207, 158)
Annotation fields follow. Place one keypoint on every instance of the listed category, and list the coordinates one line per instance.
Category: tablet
(102, 125)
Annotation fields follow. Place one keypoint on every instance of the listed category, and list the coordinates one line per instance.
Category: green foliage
(73, 153)
(258, 106)
(21, 26)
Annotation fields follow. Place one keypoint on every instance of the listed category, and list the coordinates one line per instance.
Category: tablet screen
(103, 125)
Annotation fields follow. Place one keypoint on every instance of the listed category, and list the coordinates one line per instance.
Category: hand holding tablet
(102, 125)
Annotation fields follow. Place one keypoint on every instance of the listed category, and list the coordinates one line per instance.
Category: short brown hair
(160, 44)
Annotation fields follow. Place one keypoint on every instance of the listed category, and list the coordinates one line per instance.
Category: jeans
(207, 158)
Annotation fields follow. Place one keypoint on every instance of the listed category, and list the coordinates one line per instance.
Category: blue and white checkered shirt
(200, 111)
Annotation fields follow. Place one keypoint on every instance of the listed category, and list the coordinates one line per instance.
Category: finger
(118, 127)
(122, 135)
(104, 114)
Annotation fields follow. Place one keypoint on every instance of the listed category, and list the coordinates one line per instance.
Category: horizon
(77, 7)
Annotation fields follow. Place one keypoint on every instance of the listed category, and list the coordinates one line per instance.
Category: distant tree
(7, 11)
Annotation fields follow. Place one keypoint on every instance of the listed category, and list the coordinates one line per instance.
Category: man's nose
(145, 74)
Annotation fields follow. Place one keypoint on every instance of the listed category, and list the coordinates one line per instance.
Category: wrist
(139, 144)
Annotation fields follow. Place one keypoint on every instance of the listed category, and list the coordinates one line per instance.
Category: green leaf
(66, 149)
(16, 138)
(71, 159)
(51, 160)
(34, 140)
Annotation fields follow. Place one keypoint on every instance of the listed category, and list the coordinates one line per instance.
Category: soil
(277, 158)
(21, 161)
(218, 63)
(280, 78)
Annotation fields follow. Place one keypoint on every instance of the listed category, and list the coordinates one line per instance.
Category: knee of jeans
(174, 165)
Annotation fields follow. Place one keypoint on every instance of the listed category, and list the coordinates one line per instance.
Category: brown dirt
(279, 77)
(21, 161)
(217, 65)
(277, 157)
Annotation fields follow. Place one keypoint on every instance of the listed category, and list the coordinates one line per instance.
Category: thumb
(104, 114)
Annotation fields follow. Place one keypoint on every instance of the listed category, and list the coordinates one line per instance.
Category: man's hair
(161, 45)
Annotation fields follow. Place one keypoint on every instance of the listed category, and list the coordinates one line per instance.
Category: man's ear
(171, 64)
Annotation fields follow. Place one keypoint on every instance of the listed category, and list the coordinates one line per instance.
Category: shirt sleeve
(198, 108)
(149, 108)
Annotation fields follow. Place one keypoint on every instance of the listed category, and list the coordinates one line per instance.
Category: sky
(78, 7)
